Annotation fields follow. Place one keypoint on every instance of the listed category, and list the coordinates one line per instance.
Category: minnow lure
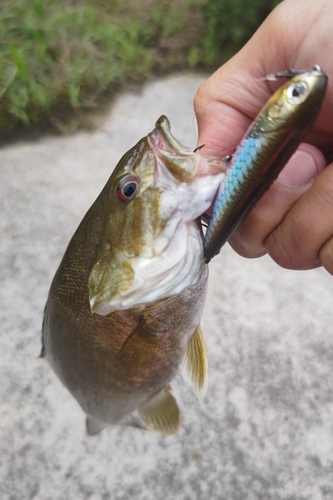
(267, 146)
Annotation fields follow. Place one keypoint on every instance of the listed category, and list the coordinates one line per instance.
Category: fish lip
(175, 162)
(162, 139)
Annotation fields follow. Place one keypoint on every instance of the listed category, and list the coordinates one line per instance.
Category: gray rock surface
(264, 430)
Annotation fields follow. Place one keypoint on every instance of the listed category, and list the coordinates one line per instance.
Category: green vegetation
(230, 23)
(60, 57)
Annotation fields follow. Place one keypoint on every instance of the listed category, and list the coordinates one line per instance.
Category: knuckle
(280, 250)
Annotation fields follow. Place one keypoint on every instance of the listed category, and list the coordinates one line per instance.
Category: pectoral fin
(161, 413)
(195, 367)
(140, 349)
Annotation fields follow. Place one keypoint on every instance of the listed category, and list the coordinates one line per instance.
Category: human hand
(293, 221)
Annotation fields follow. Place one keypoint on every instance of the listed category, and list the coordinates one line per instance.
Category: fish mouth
(162, 138)
(180, 162)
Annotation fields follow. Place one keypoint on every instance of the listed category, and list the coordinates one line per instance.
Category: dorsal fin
(194, 368)
(161, 413)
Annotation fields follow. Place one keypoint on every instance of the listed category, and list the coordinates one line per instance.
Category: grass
(60, 58)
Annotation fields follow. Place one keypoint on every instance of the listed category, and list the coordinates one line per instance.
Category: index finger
(231, 98)
(225, 105)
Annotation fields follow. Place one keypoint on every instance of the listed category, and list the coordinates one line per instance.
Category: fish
(268, 144)
(123, 312)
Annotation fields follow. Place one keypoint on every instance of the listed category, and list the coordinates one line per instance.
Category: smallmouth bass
(124, 308)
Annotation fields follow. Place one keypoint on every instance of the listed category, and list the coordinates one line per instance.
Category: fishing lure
(267, 146)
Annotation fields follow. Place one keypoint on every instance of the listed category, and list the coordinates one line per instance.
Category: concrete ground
(265, 428)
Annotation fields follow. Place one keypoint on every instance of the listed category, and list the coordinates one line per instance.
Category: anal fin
(161, 413)
(195, 366)
(94, 426)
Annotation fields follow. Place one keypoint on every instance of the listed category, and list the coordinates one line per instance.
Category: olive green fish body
(112, 364)
(124, 308)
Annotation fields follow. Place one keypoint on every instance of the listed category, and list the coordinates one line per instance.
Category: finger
(300, 240)
(226, 104)
(294, 180)
(233, 96)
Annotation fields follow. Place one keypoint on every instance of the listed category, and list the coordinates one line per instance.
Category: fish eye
(127, 188)
(297, 92)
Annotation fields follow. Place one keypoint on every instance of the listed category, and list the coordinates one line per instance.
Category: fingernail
(300, 170)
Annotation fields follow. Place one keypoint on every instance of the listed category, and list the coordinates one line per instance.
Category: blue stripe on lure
(238, 174)
(267, 146)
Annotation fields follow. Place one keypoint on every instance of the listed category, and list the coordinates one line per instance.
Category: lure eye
(297, 92)
(127, 188)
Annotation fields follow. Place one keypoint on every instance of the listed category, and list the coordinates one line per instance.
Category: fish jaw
(164, 253)
(178, 162)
